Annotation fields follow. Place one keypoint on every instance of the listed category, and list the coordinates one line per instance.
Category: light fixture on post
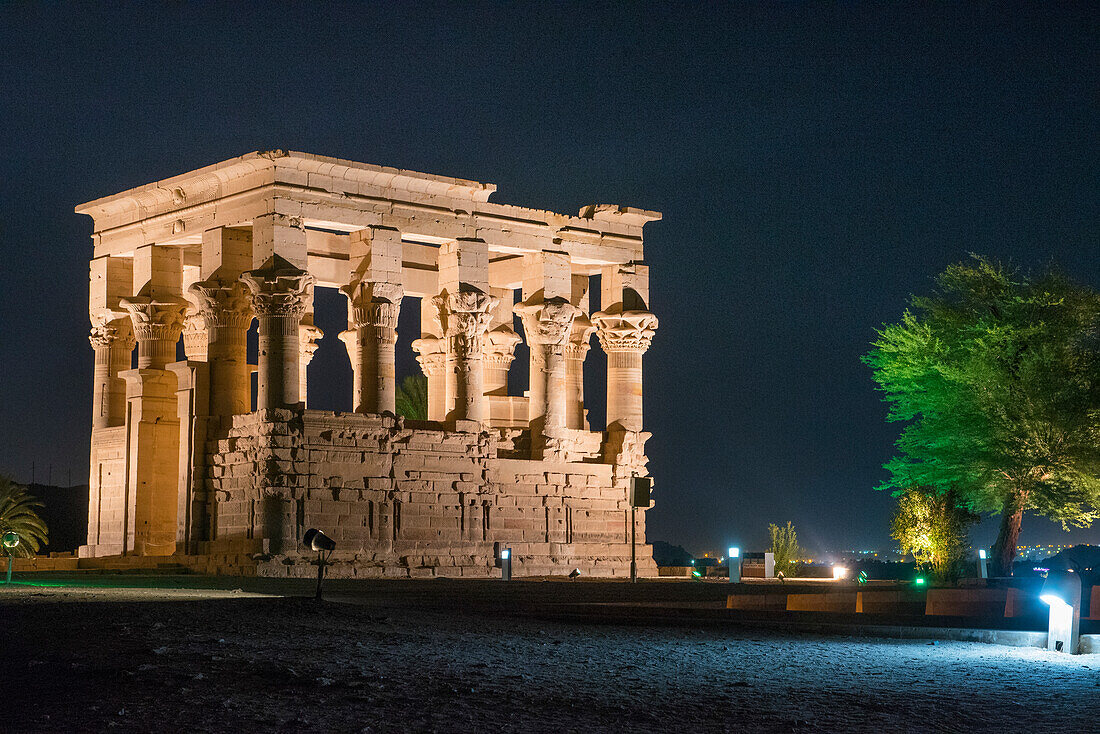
(983, 564)
(324, 546)
(638, 497)
(505, 564)
(1062, 591)
(11, 542)
(735, 564)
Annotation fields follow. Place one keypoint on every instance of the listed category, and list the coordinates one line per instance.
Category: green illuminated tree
(19, 514)
(785, 549)
(412, 397)
(933, 529)
(997, 378)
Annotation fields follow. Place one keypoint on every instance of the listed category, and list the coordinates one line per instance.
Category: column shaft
(465, 317)
(279, 300)
(625, 337)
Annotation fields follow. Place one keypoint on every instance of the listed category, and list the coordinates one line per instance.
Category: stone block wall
(107, 501)
(411, 500)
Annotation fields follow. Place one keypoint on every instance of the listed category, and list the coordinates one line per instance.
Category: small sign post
(638, 496)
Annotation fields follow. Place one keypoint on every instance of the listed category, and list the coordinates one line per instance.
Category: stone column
(432, 356)
(625, 337)
(227, 314)
(500, 350)
(153, 440)
(465, 318)
(547, 326)
(308, 336)
(373, 309)
(113, 340)
(576, 350)
(279, 300)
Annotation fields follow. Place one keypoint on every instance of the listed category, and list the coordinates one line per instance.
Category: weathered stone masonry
(186, 462)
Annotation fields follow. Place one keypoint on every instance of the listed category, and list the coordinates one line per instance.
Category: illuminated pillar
(432, 356)
(373, 310)
(226, 310)
(546, 326)
(279, 301)
(625, 337)
(113, 341)
(465, 318)
(576, 350)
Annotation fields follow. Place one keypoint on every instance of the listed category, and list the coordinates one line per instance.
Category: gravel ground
(144, 660)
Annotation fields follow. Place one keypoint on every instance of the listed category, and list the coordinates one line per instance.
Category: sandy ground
(439, 657)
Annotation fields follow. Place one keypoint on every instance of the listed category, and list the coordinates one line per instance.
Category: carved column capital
(111, 330)
(579, 338)
(222, 305)
(156, 320)
(548, 324)
(195, 337)
(308, 338)
(431, 354)
(465, 317)
(373, 303)
(499, 347)
(283, 292)
(630, 331)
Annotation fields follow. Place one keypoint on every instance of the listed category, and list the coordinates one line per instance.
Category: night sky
(816, 165)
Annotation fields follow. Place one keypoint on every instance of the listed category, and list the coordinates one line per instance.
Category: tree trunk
(1004, 549)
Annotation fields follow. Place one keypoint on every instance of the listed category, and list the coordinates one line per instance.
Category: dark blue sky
(815, 165)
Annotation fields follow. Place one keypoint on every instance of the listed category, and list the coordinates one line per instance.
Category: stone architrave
(547, 327)
(625, 337)
(227, 312)
(373, 309)
(279, 293)
(112, 339)
(465, 317)
(432, 356)
(576, 351)
(500, 351)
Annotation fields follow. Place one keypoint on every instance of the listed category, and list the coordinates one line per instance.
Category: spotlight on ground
(505, 564)
(919, 581)
(11, 542)
(324, 546)
(840, 573)
(574, 574)
(1062, 591)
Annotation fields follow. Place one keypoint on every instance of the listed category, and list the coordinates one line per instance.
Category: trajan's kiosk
(189, 458)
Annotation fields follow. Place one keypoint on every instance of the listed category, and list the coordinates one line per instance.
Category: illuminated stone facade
(189, 459)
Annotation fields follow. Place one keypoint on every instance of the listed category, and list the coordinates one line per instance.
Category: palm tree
(19, 515)
(412, 398)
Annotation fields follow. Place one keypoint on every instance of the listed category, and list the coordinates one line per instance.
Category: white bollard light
(735, 564)
(983, 564)
(1062, 591)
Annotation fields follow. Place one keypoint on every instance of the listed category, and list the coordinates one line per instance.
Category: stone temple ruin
(224, 465)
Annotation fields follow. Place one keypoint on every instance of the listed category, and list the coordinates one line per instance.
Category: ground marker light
(324, 546)
(735, 564)
(1062, 591)
(11, 541)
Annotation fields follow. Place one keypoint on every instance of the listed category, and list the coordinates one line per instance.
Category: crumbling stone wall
(408, 500)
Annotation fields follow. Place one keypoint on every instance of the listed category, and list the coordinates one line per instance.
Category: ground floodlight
(983, 564)
(981, 554)
(324, 545)
(1062, 591)
(840, 573)
(505, 564)
(574, 574)
(919, 581)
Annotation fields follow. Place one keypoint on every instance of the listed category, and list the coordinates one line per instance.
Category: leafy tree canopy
(997, 378)
(19, 514)
(412, 398)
